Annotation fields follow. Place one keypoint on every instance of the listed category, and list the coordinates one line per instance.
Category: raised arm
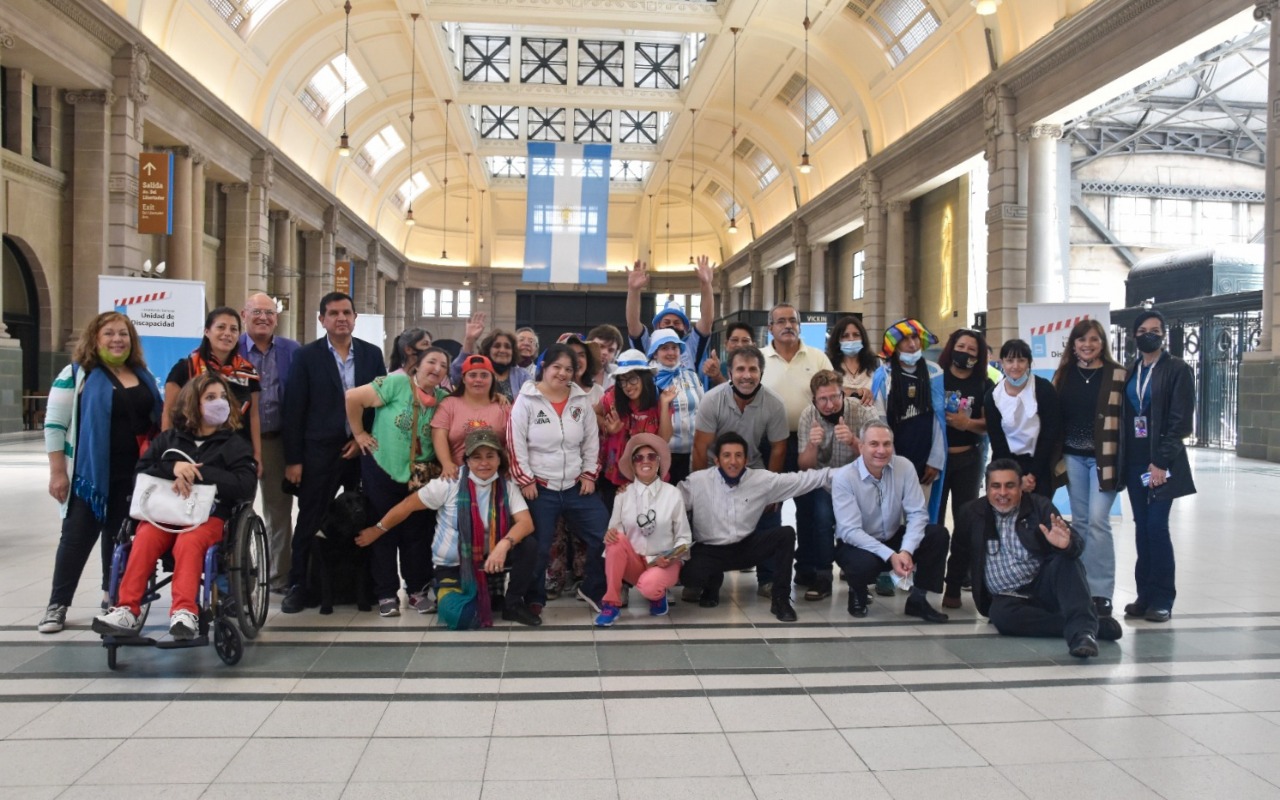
(637, 280)
(707, 314)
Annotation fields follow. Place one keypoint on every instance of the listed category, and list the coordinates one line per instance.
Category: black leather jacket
(1173, 405)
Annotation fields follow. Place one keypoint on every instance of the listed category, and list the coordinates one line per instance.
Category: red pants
(622, 563)
(149, 543)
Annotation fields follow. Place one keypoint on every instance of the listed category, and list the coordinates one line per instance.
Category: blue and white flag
(567, 221)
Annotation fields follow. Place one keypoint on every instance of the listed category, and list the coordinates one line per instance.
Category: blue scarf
(666, 375)
(92, 479)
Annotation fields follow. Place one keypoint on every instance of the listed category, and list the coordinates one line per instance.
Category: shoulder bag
(156, 502)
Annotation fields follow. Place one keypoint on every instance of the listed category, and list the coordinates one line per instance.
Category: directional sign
(342, 277)
(155, 193)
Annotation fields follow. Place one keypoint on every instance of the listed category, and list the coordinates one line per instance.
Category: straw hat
(645, 440)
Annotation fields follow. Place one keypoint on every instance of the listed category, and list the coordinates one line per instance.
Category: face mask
(963, 360)
(832, 419)
(851, 348)
(478, 481)
(1018, 383)
(910, 359)
(111, 359)
(1150, 342)
(215, 412)
(747, 397)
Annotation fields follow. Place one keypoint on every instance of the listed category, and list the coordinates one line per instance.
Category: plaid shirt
(1010, 566)
(833, 452)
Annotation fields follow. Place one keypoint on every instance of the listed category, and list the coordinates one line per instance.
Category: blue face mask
(851, 348)
(1018, 383)
(910, 359)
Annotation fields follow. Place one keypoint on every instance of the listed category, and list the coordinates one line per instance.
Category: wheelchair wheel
(249, 570)
(227, 642)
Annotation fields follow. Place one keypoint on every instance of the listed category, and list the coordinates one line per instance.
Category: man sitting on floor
(1027, 576)
(882, 522)
(727, 500)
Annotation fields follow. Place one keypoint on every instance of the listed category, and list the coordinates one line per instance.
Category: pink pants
(149, 543)
(622, 563)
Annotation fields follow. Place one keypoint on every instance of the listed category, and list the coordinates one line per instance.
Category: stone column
(725, 294)
(895, 261)
(1006, 218)
(1258, 413)
(131, 68)
(89, 221)
(197, 216)
(178, 254)
(873, 281)
(769, 295)
(328, 251)
(372, 293)
(284, 270)
(757, 280)
(238, 277)
(312, 285)
(18, 101)
(47, 134)
(802, 274)
(261, 178)
(1044, 248)
(818, 271)
(394, 298)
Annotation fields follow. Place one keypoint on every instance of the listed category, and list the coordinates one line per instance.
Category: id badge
(1140, 427)
(911, 392)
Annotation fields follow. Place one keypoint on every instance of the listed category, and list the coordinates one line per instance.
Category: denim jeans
(586, 518)
(1154, 570)
(816, 543)
(1091, 517)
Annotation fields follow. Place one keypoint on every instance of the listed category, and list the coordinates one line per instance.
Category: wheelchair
(234, 592)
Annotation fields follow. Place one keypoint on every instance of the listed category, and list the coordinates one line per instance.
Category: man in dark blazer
(319, 453)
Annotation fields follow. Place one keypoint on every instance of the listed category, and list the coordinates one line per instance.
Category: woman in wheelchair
(204, 427)
(482, 529)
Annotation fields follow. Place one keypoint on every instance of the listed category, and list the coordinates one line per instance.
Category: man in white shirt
(727, 501)
(882, 522)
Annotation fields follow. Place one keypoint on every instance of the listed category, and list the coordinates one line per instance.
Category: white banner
(369, 327)
(169, 316)
(1046, 326)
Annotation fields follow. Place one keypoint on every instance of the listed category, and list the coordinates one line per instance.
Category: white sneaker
(119, 621)
(183, 626)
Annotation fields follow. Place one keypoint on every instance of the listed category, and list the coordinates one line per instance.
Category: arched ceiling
(883, 67)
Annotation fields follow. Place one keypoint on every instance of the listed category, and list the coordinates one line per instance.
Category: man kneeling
(1027, 576)
(727, 501)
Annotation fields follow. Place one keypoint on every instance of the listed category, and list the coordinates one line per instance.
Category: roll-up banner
(168, 315)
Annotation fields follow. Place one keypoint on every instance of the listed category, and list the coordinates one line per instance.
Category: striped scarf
(479, 531)
(1107, 437)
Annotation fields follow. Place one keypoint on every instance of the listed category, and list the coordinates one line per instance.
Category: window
(820, 115)
(1131, 219)
(859, 274)
(592, 125)
(657, 65)
(629, 171)
(323, 95)
(693, 44)
(505, 166)
(546, 124)
(723, 198)
(463, 306)
(1218, 223)
(244, 15)
(499, 122)
(1175, 221)
(410, 189)
(599, 63)
(544, 61)
(900, 25)
(428, 302)
(486, 59)
(379, 149)
(642, 127)
(758, 162)
(446, 302)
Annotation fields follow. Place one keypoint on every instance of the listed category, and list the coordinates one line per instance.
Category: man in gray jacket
(727, 500)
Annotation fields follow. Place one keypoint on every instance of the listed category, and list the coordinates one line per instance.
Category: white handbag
(155, 501)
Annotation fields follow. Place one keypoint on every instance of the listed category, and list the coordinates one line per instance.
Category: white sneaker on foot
(183, 625)
(119, 621)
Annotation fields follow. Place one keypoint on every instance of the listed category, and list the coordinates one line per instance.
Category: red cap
(476, 362)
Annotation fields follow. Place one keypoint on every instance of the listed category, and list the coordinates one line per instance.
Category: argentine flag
(567, 217)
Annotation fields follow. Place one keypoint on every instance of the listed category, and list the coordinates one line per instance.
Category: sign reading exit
(155, 193)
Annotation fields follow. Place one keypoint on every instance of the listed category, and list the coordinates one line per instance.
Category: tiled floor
(721, 703)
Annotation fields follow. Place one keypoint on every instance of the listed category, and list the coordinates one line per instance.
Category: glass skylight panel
(411, 188)
(379, 149)
(323, 95)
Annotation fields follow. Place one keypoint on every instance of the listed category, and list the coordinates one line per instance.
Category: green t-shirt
(392, 423)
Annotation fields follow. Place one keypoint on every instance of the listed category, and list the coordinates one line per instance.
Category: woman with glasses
(648, 537)
(631, 406)
(1023, 419)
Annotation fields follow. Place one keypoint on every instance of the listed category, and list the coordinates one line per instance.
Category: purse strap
(143, 504)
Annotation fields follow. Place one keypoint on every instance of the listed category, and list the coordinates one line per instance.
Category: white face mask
(215, 412)
(478, 481)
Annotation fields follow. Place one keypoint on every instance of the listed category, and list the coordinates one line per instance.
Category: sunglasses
(644, 458)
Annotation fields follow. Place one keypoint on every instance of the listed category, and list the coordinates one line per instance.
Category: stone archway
(27, 310)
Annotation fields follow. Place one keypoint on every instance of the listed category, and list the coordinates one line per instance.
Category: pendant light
(444, 187)
(733, 153)
(693, 163)
(804, 156)
(413, 74)
(344, 143)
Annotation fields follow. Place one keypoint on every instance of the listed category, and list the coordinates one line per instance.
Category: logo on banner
(148, 318)
(1041, 334)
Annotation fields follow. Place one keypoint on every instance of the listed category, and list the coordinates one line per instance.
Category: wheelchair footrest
(111, 640)
(173, 644)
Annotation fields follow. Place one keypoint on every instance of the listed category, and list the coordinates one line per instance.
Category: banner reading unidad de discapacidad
(169, 316)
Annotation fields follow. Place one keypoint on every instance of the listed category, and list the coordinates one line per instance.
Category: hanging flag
(567, 217)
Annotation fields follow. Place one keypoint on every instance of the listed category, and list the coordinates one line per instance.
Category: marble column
(284, 270)
(261, 178)
(312, 284)
(802, 274)
(873, 297)
(131, 68)
(725, 296)
(1006, 218)
(758, 278)
(198, 226)
(178, 253)
(373, 296)
(769, 295)
(895, 261)
(818, 271)
(238, 277)
(1044, 247)
(89, 203)
(1258, 412)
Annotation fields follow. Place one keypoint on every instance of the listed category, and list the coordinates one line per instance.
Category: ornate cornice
(77, 13)
(1006, 212)
(1083, 42)
(97, 97)
(7, 39)
(16, 166)
(228, 188)
(1042, 132)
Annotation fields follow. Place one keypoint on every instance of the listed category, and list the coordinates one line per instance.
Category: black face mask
(1150, 342)
(747, 397)
(832, 419)
(963, 360)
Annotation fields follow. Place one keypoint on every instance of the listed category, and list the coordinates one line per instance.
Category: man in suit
(320, 454)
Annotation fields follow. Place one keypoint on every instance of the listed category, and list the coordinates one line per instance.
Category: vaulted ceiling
(444, 123)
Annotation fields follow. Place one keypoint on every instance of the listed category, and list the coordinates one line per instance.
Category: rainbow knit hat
(901, 330)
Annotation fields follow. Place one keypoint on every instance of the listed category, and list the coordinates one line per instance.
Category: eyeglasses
(261, 312)
(644, 458)
(630, 379)
(786, 321)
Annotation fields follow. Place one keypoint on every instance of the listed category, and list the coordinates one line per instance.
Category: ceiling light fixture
(804, 156)
(668, 240)
(344, 144)
(444, 187)
(985, 8)
(693, 163)
(467, 218)
(413, 74)
(733, 152)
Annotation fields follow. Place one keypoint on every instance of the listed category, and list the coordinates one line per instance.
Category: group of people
(510, 474)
